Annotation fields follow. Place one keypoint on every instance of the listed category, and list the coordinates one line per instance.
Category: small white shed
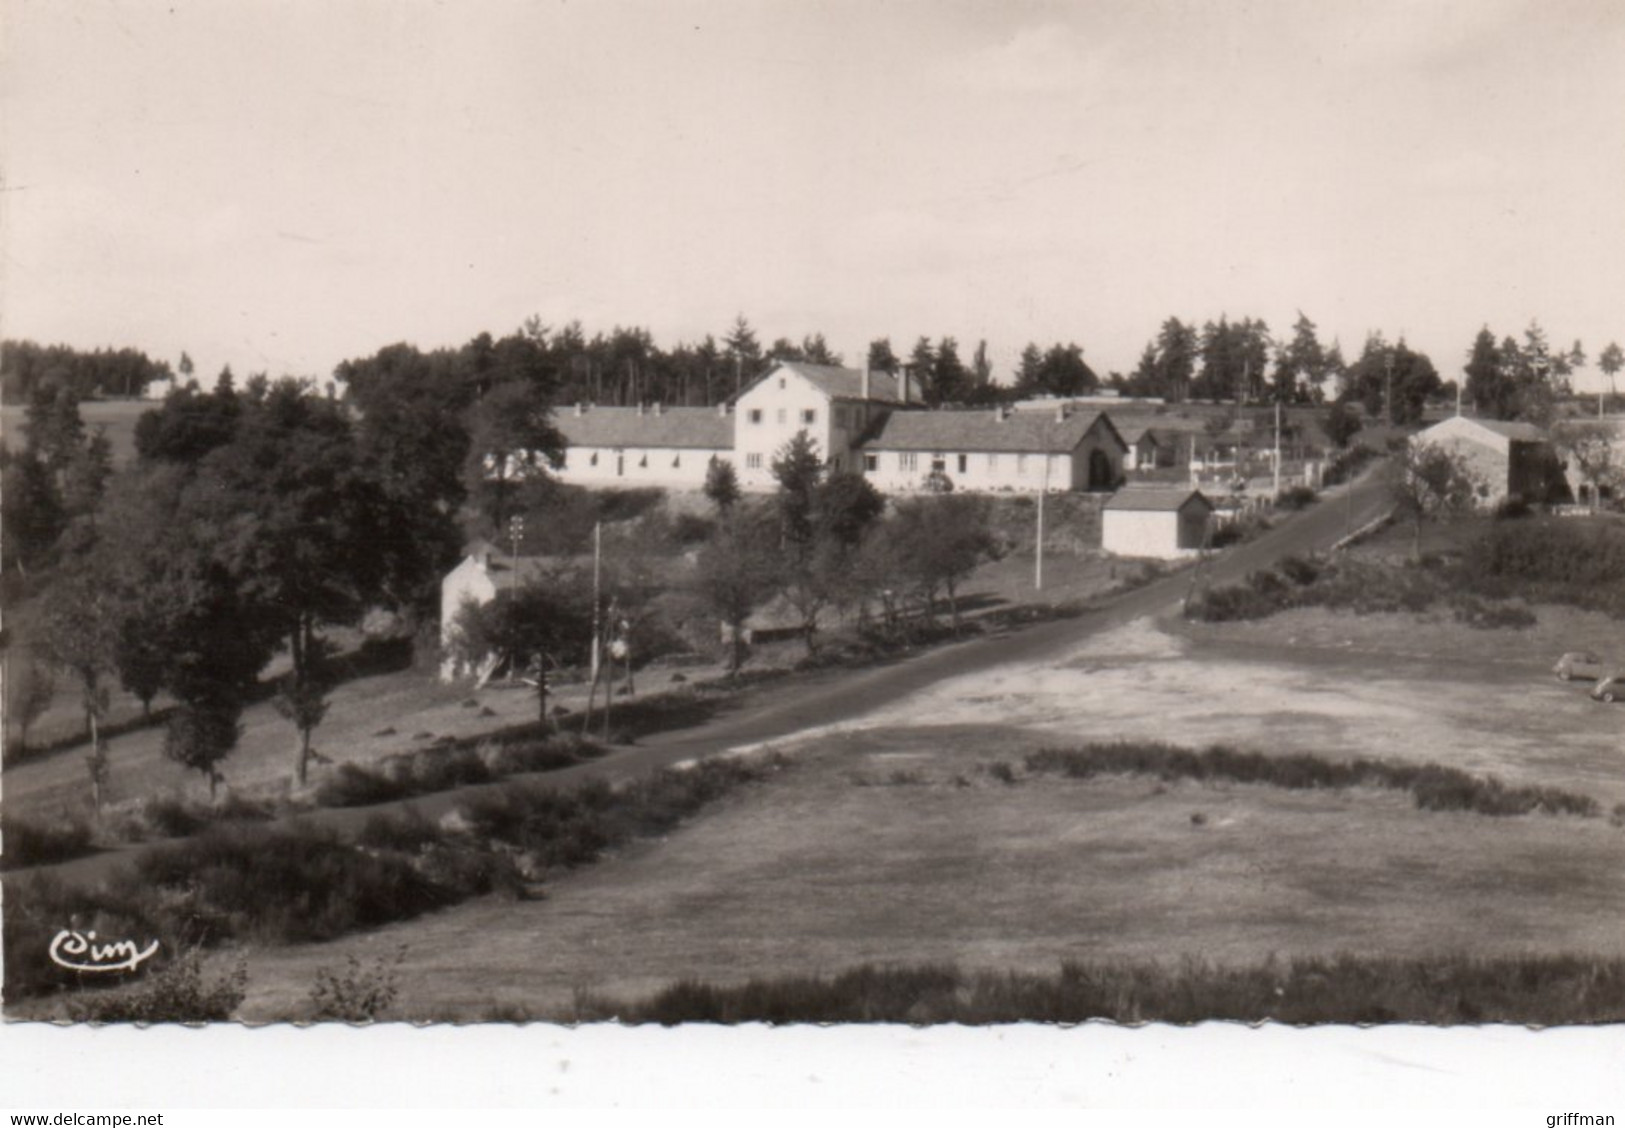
(1161, 522)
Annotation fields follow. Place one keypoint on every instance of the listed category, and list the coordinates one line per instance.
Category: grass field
(117, 416)
(906, 847)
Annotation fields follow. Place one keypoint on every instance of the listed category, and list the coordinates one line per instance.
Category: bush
(1439, 990)
(355, 786)
(176, 994)
(304, 883)
(283, 886)
(356, 994)
(29, 843)
(1433, 787)
(1297, 497)
(1347, 465)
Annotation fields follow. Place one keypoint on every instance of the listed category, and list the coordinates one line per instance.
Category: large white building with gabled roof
(864, 422)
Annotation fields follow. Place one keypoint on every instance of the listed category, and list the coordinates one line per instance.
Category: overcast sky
(282, 185)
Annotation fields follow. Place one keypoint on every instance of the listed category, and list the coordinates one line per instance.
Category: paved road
(776, 711)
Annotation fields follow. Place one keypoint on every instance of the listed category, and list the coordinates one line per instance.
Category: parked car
(1579, 664)
(1610, 688)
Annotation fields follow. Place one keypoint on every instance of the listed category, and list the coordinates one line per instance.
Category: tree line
(26, 367)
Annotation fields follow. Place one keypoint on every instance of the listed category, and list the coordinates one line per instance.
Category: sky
(284, 184)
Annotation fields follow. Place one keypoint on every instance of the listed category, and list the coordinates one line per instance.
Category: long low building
(859, 421)
(995, 450)
(671, 447)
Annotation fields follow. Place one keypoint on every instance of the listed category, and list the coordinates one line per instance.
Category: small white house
(987, 450)
(1162, 523)
(485, 570)
(647, 445)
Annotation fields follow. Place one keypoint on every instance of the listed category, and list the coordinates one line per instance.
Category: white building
(995, 449)
(485, 570)
(1508, 458)
(1165, 524)
(671, 447)
(835, 406)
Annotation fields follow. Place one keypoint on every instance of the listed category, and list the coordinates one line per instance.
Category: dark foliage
(1432, 786)
(31, 843)
(1442, 990)
(177, 994)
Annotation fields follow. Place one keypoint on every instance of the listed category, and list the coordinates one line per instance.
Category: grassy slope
(874, 852)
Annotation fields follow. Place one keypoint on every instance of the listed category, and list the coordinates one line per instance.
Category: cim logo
(78, 951)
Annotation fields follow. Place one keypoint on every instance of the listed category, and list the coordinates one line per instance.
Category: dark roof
(979, 430)
(702, 427)
(1161, 499)
(844, 383)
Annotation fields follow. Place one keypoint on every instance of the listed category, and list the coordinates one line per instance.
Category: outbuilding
(1159, 522)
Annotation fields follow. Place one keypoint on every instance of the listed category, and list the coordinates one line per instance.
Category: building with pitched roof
(1157, 522)
(995, 449)
(835, 406)
(651, 445)
(484, 571)
(859, 421)
(1510, 459)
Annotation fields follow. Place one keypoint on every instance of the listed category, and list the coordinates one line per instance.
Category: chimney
(660, 408)
(581, 408)
(902, 384)
(863, 384)
(722, 410)
(1000, 413)
(640, 407)
(1060, 413)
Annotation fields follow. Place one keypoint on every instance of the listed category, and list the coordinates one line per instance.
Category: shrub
(1297, 497)
(1439, 990)
(29, 843)
(1347, 465)
(442, 770)
(284, 886)
(355, 786)
(357, 994)
(1002, 771)
(407, 832)
(1432, 786)
(178, 993)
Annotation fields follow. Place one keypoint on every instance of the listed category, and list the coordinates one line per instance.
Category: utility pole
(1388, 390)
(1277, 447)
(1038, 557)
(592, 661)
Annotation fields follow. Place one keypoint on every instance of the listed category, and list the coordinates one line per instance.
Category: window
(755, 415)
(992, 463)
(593, 461)
(939, 464)
(809, 416)
(781, 415)
(643, 463)
(1021, 464)
(753, 462)
(964, 463)
(908, 460)
(781, 383)
(871, 462)
(677, 462)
